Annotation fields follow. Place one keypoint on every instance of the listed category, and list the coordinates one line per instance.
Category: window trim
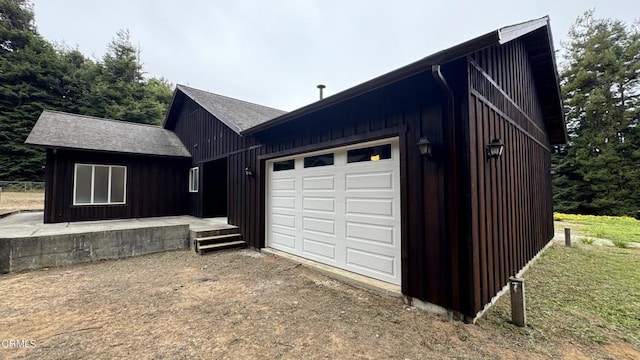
(196, 170)
(93, 179)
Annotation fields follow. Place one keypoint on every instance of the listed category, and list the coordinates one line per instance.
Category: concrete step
(218, 239)
(221, 246)
(214, 231)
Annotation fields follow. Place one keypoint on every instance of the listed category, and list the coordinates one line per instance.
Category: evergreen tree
(598, 169)
(119, 89)
(30, 81)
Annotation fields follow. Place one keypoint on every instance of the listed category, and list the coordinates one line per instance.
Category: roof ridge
(103, 119)
(229, 97)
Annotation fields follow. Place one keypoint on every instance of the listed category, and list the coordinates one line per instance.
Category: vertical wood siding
(409, 110)
(511, 201)
(207, 139)
(155, 187)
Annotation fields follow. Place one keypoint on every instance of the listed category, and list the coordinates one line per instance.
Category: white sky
(275, 52)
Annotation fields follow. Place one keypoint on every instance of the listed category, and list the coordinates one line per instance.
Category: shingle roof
(236, 114)
(70, 131)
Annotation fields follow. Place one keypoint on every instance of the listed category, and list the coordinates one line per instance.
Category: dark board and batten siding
(511, 202)
(207, 139)
(409, 110)
(156, 186)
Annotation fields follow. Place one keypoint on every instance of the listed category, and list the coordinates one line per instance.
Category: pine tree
(30, 81)
(598, 170)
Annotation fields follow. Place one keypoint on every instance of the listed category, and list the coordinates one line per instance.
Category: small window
(99, 184)
(373, 153)
(318, 160)
(284, 165)
(194, 178)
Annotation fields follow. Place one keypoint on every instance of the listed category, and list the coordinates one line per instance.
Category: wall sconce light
(495, 149)
(425, 147)
(248, 171)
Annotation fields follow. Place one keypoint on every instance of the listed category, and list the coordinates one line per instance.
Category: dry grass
(242, 305)
(11, 201)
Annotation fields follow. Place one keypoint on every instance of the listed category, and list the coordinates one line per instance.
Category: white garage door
(340, 207)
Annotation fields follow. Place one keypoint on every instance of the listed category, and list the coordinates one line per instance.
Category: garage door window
(373, 153)
(318, 160)
(284, 165)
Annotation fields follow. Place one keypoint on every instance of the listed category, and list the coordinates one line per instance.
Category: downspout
(451, 189)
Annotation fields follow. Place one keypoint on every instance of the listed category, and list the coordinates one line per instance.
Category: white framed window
(99, 184)
(194, 176)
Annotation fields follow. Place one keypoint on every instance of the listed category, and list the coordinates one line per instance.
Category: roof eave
(57, 147)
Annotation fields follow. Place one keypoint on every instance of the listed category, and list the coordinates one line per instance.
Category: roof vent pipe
(321, 87)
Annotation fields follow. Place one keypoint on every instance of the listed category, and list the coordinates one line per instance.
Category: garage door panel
(378, 234)
(321, 204)
(283, 202)
(325, 182)
(322, 226)
(281, 241)
(322, 249)
(345, 214)
(284, 184)
(367, 206)
(284, 220)
(368, 181)
(375, 263)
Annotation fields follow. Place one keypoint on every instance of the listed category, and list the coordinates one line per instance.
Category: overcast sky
(275, 52)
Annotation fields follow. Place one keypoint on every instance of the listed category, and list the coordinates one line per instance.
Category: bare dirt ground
(11, 201)
(240, 305)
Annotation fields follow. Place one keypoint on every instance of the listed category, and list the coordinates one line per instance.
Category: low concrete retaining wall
(28, 253)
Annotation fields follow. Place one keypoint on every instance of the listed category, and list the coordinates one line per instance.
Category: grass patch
(585, 292)
(619, 229)
(10, 201)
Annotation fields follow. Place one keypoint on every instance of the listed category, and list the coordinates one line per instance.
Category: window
(318, 160)
(284, 165)
(373, 153)
(194, 178)
(99, 184)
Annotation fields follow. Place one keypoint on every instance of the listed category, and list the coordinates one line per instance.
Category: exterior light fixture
(495, 149)
(425, 147)
(248, 171)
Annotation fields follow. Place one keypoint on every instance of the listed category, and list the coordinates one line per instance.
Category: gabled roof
(61, 130)
(537, 35)
(238, 115)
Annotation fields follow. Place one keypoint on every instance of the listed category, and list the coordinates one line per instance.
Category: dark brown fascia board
(424, 64)
(563, 120)
(65, 148)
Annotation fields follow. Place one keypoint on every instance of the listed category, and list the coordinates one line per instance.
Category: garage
(339, 207)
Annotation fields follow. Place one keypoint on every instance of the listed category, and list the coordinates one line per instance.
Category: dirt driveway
(234, 304)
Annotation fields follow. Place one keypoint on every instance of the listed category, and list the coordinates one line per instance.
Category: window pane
(196, 176)
(318, 160)
(117, 184)
(373, 153)
(101, 185)
(284, 165)
(83, 184)
(194, 173)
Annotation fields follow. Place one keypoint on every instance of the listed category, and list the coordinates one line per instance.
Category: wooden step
(218, 239)
(221, 246)
(202, 233)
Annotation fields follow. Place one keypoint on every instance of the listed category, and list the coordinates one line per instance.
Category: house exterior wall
(156, 186)
(206, 138)
(510, 199)
(408, 109)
